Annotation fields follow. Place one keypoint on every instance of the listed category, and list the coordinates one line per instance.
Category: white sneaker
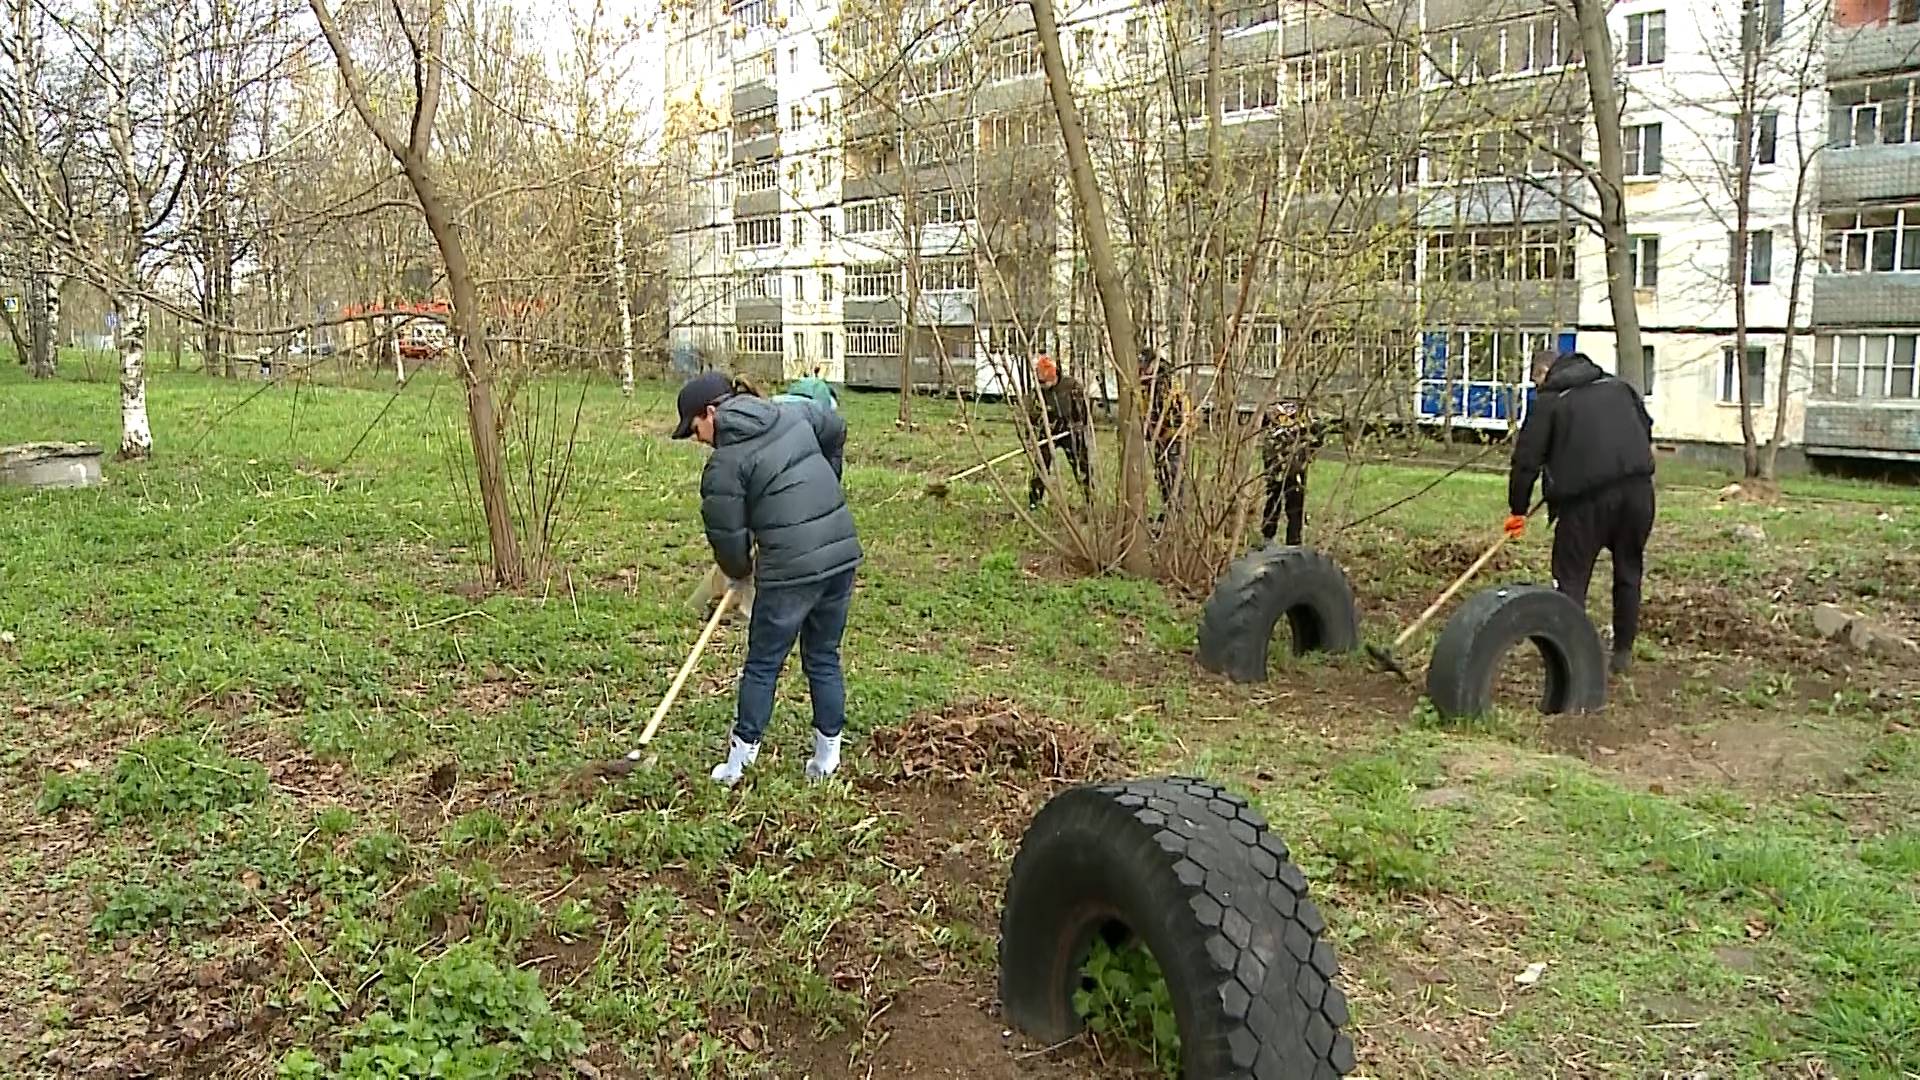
(739, 756)
(826, 757)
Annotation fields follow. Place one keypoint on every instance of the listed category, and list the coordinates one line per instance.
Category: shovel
(624, 766)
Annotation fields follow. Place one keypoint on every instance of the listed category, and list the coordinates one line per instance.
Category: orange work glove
(1516, 524)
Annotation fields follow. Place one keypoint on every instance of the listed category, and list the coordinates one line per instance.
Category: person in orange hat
(1060, 414)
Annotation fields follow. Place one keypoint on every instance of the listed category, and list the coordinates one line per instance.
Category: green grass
(232, 669)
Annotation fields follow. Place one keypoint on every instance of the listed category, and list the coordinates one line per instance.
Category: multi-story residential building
(875, 190)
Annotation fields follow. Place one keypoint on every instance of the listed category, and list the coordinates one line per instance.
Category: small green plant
(480, 828)
(333, 822)
(459, 1015)
(1124, 994)
(174, 774)
(573, 920)
(61, 791)
(382, 854)
(138, 907)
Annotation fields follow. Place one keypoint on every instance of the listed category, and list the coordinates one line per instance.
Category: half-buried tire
(1190, 871)
(1475, 643)
(1302, 586)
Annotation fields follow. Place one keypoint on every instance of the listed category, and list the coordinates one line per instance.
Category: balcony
(1871, 50)
(1875, 300)
(1869, 174)
(754, 94)
(946, 308)
(1888, 431)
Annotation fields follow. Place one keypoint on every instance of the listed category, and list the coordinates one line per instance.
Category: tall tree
(412, 149)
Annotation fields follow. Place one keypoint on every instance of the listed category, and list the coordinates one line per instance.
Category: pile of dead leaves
(972, 740)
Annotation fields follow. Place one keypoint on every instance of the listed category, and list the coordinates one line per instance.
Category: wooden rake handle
(1008, 456)
(686, 669)
(1453, 590)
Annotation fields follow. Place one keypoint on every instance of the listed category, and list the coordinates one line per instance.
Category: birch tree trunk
(136, 435)
(623, 287)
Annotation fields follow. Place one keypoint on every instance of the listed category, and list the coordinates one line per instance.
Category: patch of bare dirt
(973, 740)
(1758, 753)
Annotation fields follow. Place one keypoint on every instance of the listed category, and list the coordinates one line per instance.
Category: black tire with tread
(1477, 638)
(1191, 870)
(1304, 587)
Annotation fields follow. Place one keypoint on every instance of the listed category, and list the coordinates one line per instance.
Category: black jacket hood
(1572, 372)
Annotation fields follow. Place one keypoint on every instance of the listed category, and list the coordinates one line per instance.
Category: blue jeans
(815, 615)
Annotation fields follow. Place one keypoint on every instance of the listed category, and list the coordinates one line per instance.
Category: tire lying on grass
(1302, 586)
(1190, 871)
(1477, 638)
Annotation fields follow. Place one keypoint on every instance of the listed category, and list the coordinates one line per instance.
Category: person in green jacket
(812, 389)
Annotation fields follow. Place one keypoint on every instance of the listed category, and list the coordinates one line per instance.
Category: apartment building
(878, 193)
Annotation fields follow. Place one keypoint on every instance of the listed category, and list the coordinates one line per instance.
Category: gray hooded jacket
(774, 480)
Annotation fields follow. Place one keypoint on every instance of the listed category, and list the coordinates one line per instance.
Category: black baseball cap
(701, 391)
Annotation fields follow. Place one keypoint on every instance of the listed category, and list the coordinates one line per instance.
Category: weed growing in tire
(1124, 994)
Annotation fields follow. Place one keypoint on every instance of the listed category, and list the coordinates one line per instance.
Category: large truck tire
(1304, 587)
(1189, 870)
(1477, 638)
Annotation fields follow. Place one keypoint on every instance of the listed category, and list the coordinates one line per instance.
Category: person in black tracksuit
(1589, 439)
(1287, 448)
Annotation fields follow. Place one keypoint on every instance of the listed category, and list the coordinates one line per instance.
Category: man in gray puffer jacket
(773, 483)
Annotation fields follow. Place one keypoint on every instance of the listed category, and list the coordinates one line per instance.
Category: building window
(1647, 39)
(873, 281)
(1137, 43)
(1756, 375)
(793, 59)
(799, 231)
(1867, 367)
(1759, 257)
(1265, 339)
(1873, 241)
(1346, 74)
(1522, 47)
(752, 13)
(760, 339)
(756, 285)
(796, 117)
(1083, 44)
(799, 354)
(756, 177)
(1016, 57)
(755, 123)
(1647, 369)
(1242, 91)
(757, 232)
(826, 345)
(800, 288)
(1643, 253)
(1873, 114)
(1533, 148)
(826, 286)
(1642, 144)
(871, 216)
(949, 207)
(1501, 254)
(1766, 138)
(864, 339)
(947, 275)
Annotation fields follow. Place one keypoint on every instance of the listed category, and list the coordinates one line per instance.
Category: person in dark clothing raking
(1059, 412)
(774, 511)
(1589, 440)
